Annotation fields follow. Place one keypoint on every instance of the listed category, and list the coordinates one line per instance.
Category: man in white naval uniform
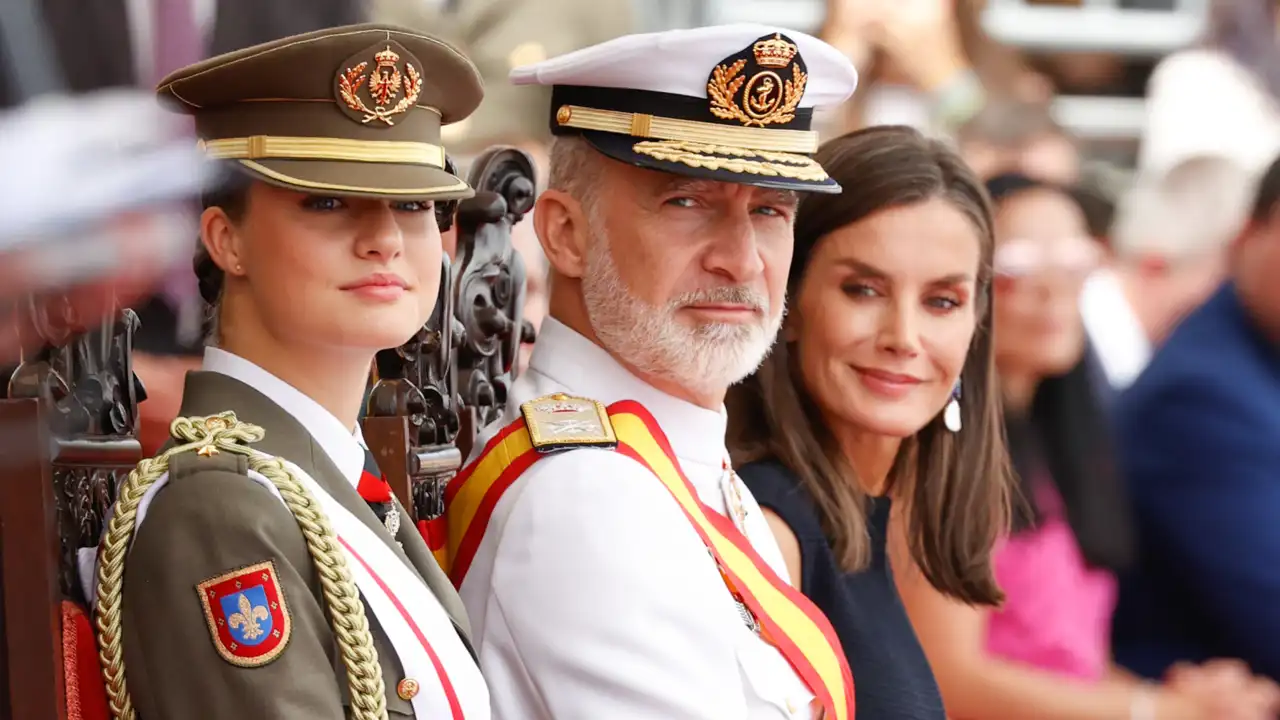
(668, 227)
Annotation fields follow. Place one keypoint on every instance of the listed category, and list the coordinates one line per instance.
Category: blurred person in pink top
(1046, 652)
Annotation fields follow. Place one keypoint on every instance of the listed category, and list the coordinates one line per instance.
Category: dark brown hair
(957, 486)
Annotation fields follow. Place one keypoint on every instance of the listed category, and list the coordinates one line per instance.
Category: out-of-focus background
(1160, 115)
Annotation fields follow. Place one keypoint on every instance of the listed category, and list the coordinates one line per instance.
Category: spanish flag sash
(788, 620)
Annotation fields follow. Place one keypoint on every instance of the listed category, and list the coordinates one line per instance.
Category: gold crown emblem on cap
(387, 58)
(774, 52)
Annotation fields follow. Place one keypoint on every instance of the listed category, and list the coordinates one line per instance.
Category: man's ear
(222, 242)
(564, 231)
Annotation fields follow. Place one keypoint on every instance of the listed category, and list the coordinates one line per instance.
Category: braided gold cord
(739, 160)
(224, 433)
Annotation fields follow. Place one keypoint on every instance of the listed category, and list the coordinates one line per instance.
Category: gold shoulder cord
(208, 436)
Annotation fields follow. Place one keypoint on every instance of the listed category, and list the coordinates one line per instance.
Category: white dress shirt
(591, 595)
(343, 445)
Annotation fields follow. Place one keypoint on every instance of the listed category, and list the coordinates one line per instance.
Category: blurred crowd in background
(1130, 137)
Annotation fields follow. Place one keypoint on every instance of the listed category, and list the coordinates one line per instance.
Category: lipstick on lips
(378, 286)
(889, 385)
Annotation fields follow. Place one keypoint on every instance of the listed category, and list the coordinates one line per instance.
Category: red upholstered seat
(86, 693)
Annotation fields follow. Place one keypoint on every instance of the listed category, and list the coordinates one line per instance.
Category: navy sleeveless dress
(891, 676)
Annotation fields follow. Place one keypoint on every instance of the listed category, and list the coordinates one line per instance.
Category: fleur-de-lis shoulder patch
(246, 613)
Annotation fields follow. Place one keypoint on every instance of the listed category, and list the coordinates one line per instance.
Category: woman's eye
(859, 290)
(322, 204)
(414, 206)
(944, 303)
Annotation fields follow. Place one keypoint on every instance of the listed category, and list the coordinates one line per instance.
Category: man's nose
(735, 252)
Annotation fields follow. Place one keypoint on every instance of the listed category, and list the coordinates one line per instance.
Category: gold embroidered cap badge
(749, 89)
(390, 88)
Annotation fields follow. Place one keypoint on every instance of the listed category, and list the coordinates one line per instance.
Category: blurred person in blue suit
(1200, 442)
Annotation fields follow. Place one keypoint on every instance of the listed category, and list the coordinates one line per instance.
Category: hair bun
(208, 274)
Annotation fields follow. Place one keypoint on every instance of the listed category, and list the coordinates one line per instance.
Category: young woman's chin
(378, 333)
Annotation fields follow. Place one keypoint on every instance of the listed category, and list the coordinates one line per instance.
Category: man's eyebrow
(687, 184)
(787, 198)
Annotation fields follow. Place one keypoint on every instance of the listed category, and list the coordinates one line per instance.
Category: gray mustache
(727, 294)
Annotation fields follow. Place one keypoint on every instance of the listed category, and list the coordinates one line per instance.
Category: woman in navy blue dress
(871, 436)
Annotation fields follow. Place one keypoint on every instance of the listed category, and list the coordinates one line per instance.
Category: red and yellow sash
(787, 618)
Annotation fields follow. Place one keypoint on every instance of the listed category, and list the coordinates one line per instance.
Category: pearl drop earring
(951, 415)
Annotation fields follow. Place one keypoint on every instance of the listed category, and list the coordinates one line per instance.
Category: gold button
(407, 689)
(563, 116)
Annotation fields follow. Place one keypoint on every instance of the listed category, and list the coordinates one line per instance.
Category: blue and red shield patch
(246, 613)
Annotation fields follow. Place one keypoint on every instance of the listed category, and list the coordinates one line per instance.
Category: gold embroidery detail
(764, 98)
(665, 128)
(774, 52)
(261, 147)
(734, 159)
(641, 124)
(385, 83)
(249, 618)
(559, 422)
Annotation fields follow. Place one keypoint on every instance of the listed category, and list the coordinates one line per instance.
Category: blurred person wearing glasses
(1201, 447)
(1046, 651)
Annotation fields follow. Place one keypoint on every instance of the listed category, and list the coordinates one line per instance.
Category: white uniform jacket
(591, 597)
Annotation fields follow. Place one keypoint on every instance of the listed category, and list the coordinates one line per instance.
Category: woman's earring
(951, 415)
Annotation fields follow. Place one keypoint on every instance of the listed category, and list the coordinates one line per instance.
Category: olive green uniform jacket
(211, 519)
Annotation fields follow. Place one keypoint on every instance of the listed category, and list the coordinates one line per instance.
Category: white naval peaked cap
(726, 102)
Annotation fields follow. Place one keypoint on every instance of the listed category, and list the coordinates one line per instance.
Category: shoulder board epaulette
(563, 422)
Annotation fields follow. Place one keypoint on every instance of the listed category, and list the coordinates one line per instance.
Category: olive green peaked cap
(353, 110)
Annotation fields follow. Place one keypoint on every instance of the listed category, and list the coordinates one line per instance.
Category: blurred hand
(1225, 690)
(920, 36)
(79, 283)
(848, 28)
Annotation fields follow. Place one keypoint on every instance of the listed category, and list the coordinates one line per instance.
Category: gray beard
(704, 359)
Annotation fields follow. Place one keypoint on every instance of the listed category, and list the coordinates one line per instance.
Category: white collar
(571, 360)
(345, 447)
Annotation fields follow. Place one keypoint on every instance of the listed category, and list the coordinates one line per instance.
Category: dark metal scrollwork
(435, 392)
(490, 280)
(86, 384)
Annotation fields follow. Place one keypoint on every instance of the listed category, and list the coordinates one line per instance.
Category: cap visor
(389, 181)
(777, 170)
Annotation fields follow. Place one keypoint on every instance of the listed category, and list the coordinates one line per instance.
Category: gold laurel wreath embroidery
(725, 82)
(739, 160)
(350, 81)
(209, 436)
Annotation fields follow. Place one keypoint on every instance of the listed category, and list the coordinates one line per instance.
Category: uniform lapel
(209, 393)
